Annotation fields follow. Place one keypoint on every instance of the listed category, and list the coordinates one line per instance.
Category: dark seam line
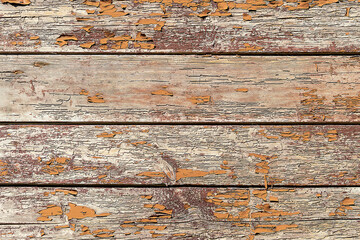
(190, 53)
(181, 123)
(77, 185)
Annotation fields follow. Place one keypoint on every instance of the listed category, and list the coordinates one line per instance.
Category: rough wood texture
(172, 155)
(186, 213)
(179, 26)
(179, 88)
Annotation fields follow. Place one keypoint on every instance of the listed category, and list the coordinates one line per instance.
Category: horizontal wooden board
(180, 88)
(173, 155)
(179, 213)
(179, 26)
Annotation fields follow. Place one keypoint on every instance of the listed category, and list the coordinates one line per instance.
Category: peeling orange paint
(248, 47)
(246, 17)
(152, 174)
(186, 173)
(139, 143)
(262, 194)
(80, 212)
(87, 45)
(51, 210)
(200, 99)
(87, 28)
(84, 92)
(159, 24)
(106, 135)
(162, 92)
(242, 90)
(144, 45)
(98, 98)
(63, 39)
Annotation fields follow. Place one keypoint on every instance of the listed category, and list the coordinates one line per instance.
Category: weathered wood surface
(180, 26)
(172, 155)
(180, 88)
(186, 213)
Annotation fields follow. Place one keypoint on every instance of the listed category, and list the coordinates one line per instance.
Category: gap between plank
(79, 185)
(192, 53)
(355, 123)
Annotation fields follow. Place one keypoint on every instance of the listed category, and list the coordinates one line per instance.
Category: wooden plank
(179, 26)
(178, 213)
(180, 88)
(172, 155)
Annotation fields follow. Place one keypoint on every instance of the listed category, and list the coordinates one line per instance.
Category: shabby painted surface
(176, 26)
(175, 155)
(179, 213)
(180, 88)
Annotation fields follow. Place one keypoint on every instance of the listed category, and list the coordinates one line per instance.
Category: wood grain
(173, 155)
(179, 26)
(180, 88)
(179, 213)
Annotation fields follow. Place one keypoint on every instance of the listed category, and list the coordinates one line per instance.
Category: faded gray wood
(179, 26)
(179, 88)
(191, 213)
(172, 155)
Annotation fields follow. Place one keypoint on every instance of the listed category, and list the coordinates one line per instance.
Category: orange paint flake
(248, 47)
(103, 233)
(53, 170)
(87, 28)
(200, 99)
(159, 24)
(142, 37)
(348, 202)
(273, 199)
(242, 90)
(62, 226)
(80, 212)
(18, 2)
(148, 197)
(91, 3)
(152, 174)
(246, 17)
(51, 210)
(321, 3)
(66, 192)
(162, 93)
(139, 143)
(84, 92)
(154, 227)
(282, 190)
(262, 167)
(98, 98)
(186, 173)
(62, 160)
(178, 234)
(262, 194)
(87, 45)
(106, 135)
(34, 37)
(63, 39)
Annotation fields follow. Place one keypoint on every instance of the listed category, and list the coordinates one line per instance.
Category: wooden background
(179, 119)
